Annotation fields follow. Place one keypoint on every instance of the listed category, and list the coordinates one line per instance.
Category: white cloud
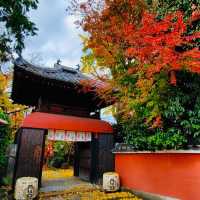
(69, 22)
(58, 36)
(70, 62)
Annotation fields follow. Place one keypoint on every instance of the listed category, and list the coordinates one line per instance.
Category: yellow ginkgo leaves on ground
(87, 193)
(48, 174)
(77, 190)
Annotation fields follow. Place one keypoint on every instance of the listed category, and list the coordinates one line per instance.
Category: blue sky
(57, 37)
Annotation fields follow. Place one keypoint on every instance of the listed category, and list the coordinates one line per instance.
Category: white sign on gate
(51, 135)
(71, 136)
(60, 135)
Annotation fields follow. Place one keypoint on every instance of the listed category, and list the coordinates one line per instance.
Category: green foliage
(3, 194)
(15, 24)
(7, 181)
(178, 105)
(62, 153)
(180, 110)
(171, 139)
(165, 6)
(157, 104)
(143, 139)
(5, 139)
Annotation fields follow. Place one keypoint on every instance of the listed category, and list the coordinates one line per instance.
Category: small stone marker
(26, 188)
(111, 181)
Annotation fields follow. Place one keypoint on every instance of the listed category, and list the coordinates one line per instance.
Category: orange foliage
(118, 30)
(124, 32)
(154, 43)
(48, 150)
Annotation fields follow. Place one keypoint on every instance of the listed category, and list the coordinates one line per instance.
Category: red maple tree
(154, 44)
(135, 45)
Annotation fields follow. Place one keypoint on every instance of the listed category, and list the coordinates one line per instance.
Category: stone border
(147, 195)
(159, 152)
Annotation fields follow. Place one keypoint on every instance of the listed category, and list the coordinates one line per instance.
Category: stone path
(63, 184)
(55, 187)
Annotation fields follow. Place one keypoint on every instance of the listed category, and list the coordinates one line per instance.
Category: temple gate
(62, 111)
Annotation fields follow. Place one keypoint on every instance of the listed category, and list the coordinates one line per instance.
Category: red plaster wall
(174, 175)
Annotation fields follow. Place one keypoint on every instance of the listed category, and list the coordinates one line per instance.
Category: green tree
(141, 49)
(166, 6)
(5, 136)
(15, 25)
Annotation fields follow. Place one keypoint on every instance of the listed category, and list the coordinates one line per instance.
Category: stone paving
(63, 184)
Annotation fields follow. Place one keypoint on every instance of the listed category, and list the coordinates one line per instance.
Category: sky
(57, 37)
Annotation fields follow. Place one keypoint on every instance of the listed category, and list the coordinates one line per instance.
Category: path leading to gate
(75, 189)
(63, 184)
(58, 184)
(55, 180)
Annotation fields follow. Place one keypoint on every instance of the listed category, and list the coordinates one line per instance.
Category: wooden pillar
(30, 152)
(105, 155)
(76, 159)
(94, 159)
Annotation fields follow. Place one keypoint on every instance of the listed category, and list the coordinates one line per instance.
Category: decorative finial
(78, 67)
(58, 62)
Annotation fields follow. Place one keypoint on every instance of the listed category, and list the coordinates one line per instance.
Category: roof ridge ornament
(78, 67)
(58, 62)
(58, 65)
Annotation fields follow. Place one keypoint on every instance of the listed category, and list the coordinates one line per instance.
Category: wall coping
(192, 151)
(147, 195)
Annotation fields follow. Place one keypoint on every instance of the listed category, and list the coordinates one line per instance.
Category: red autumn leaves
(150, 41)
(135, 45)
(154, 44)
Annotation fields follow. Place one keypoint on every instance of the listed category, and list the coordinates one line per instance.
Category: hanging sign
(70, 136)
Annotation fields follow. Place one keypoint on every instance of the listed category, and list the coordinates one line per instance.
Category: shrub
(5, 140)
(180, 111)
(62, 154)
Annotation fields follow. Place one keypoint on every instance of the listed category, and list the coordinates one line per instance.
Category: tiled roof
(59, 72)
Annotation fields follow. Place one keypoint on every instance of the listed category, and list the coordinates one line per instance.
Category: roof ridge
(57, 67)
(22, 62)
(60, 72)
